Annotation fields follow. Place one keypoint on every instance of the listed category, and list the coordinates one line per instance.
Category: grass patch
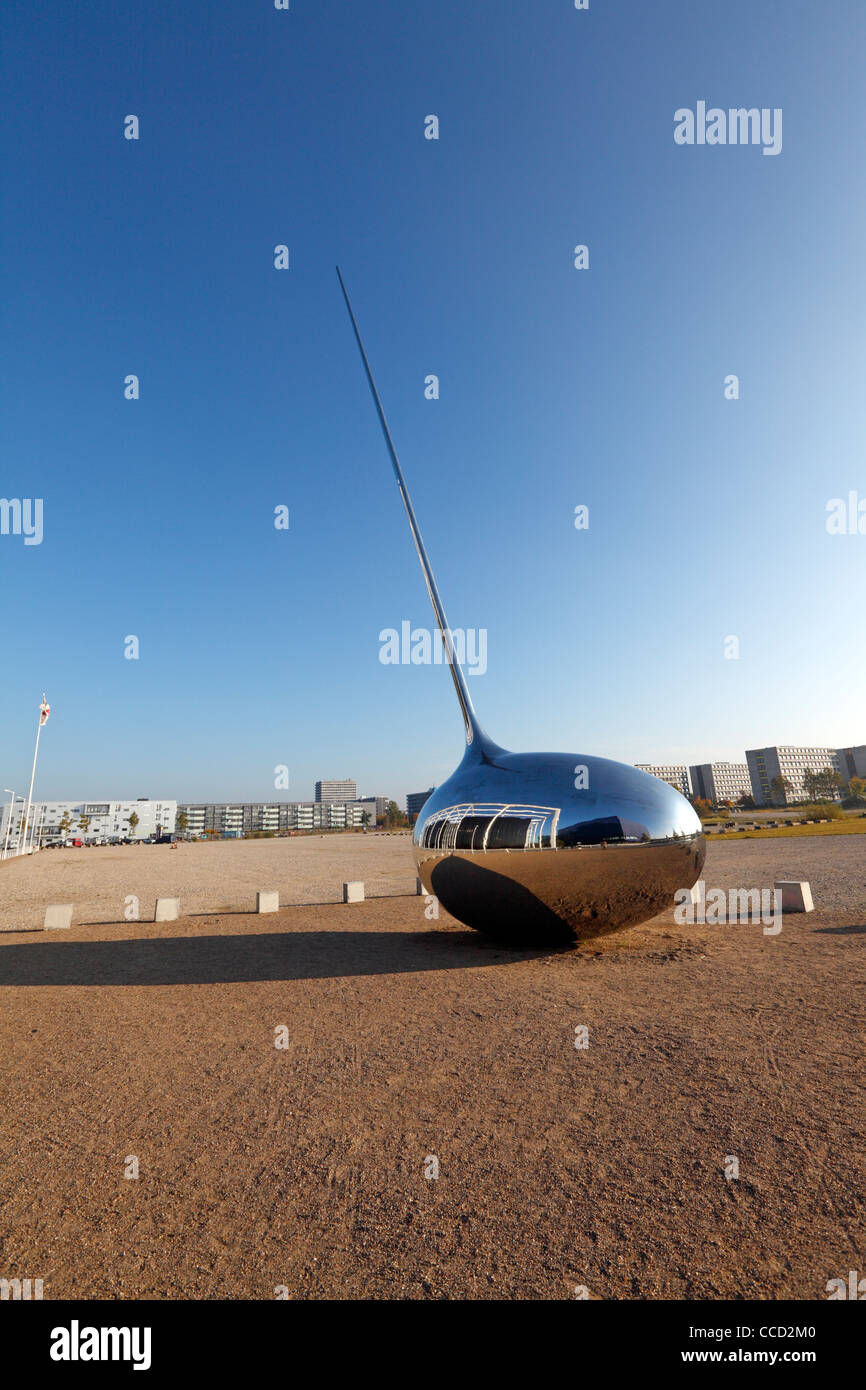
(835, 827)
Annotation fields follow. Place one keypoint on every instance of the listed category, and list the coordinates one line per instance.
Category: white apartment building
(718, 782)
(249, 817)
(673, 773)
(106, 820)
(791, 762)
(336, 790)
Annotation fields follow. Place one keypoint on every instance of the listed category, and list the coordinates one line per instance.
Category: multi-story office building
(852, 761)
(106, 820)
(415, 800)
(718, 782)
(669, 772)
(247, 818)
(376, 805)
(346, 790)
(788, 762)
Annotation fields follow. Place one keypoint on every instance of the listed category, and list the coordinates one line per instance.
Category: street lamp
(9, 819)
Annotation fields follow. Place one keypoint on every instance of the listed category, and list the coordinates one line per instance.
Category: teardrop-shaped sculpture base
(555, 848)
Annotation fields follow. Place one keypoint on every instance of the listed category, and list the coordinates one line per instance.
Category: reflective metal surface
(543, 847)
(511, 847)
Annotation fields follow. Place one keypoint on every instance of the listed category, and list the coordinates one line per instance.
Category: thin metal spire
(470, 720)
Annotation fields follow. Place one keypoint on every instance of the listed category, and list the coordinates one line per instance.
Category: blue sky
(558, 387)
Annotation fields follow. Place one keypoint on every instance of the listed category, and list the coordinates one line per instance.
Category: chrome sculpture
(548, 848)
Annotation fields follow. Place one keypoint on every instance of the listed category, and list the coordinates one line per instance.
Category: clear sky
(605, 387)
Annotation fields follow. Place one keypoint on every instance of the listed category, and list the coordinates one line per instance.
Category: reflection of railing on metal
(468, 826)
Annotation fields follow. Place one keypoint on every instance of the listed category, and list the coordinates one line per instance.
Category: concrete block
(267, 902)
(353, 892)
(167, 910)
(796, 895)
(58, 915)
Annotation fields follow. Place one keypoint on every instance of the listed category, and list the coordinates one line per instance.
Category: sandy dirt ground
(305, 1167)
(217, 877)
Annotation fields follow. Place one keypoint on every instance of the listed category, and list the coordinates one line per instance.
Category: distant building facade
(239, 818)
(345, 790)
(107, 820)
(852, 761)
(718, 782)
(790, 762)
(673, 773)
(415, 800)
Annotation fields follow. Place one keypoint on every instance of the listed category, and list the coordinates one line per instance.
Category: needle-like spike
(473, 728)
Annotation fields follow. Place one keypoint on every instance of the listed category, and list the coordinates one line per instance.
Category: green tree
(831, 783)
(780, 788)
(65, 823)
(84, 824)
(132, 823)
(822, 786)
(181, 823)
(394, 817)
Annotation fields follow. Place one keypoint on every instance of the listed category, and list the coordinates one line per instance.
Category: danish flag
(44, 711)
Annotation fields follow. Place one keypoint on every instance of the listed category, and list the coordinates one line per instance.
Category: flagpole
(32, 779)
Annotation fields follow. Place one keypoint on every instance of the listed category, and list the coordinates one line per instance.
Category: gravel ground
(225, 875)
(834, 865)
(304, 1167)
(217, 877)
